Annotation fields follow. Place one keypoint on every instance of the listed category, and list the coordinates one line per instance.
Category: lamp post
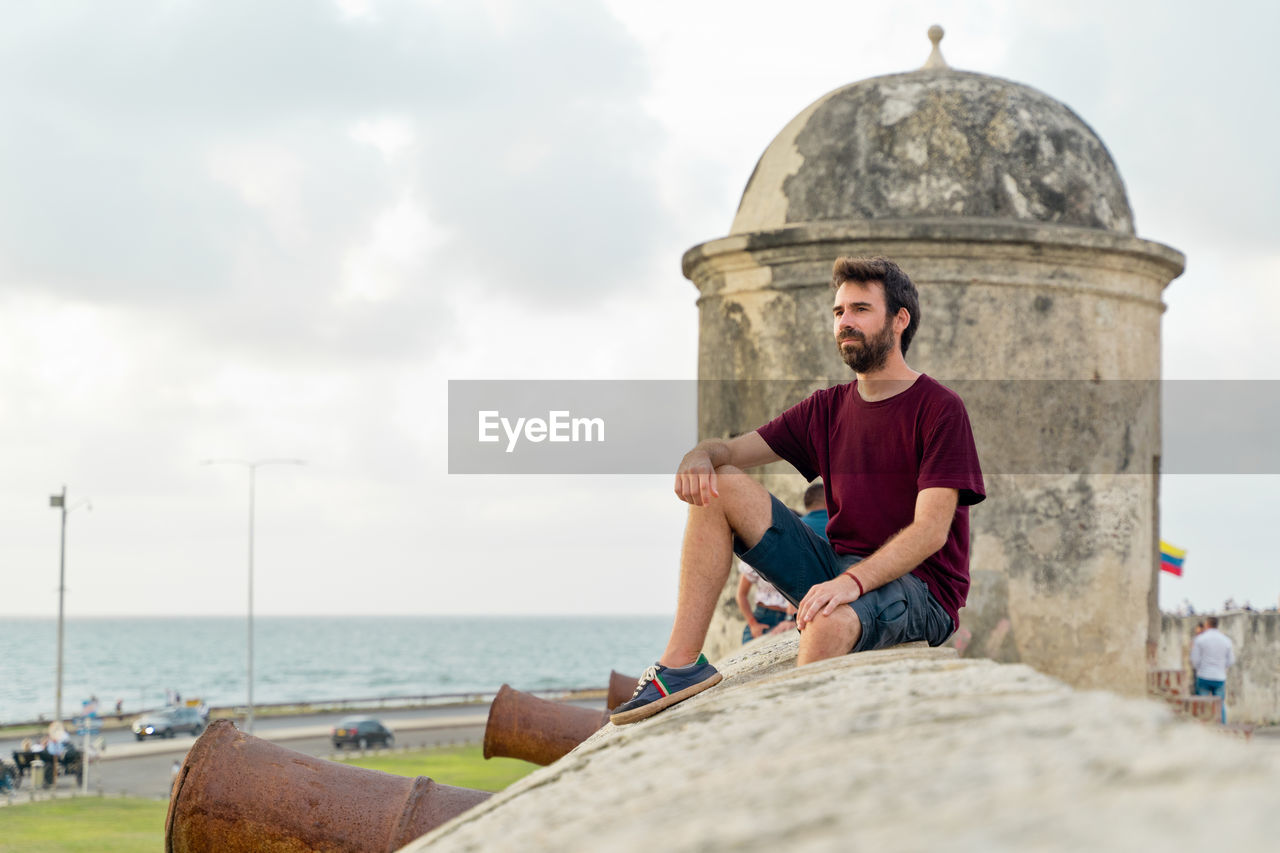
(59, 501)
(253, 466)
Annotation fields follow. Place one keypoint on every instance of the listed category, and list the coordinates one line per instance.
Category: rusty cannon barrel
(237, 792)
(523, 726)
(620, 688)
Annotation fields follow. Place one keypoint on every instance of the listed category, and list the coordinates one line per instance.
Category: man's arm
(908, 548)
(696, 476)
(744, 587)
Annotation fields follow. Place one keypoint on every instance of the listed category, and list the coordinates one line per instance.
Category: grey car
(362, 732)
(168, 722)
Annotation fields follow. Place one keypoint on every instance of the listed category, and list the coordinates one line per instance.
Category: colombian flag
(1171, 558)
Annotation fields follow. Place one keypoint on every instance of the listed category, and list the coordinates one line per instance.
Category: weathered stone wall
(904, 749)
(935, 143)
(1063, 549)
(1253, 684)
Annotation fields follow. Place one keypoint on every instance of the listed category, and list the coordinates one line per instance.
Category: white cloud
(268, 179)
(400, 240)
(390, 136)
(245, 229)
(1219, 319)
(357, 9)
(65, 355)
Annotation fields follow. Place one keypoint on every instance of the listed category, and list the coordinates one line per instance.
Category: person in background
(1212, 654)
(772, 613)
(55, 743)
(815, 508)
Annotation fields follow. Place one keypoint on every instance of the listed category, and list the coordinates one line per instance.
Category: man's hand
(906, 549)
(757, 629)
(824, 598)
(696, 478)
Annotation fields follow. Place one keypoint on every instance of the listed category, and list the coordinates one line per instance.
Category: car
(361, 732)
(167, 722)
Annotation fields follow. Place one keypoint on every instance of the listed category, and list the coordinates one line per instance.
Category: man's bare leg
(707, 555)
(829, 636)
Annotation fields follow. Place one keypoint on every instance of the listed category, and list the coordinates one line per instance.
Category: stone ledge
(908, 748)
(1032, 237)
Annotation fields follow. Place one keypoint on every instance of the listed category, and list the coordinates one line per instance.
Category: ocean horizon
(137, 660)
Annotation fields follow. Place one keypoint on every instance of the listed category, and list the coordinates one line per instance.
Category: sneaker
(663, 686)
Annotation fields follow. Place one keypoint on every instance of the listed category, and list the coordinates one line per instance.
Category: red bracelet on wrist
(861, 591)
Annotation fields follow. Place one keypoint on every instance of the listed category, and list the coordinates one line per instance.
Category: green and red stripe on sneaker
(663, 686)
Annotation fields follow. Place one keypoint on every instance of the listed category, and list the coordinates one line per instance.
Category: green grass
(131, 825)
(89, 824)
(464, 767)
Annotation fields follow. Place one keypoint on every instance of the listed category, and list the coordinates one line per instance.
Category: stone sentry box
(1039, 305)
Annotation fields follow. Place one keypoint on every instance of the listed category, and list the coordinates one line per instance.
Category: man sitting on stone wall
(896, 452)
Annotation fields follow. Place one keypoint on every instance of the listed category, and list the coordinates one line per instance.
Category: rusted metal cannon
(523, 726)
(237, 792)
(620, 688)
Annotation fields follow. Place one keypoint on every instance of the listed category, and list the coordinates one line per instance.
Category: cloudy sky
(246, 230)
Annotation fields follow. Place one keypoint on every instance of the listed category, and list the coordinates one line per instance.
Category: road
(273, 727)
(143, 769)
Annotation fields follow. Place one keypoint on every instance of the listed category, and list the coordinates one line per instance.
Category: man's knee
(732, 484)
(730, 471)
(842, 625)
(830, 636)
(745, 503)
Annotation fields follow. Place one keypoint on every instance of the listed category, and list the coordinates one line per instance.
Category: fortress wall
(903, 749)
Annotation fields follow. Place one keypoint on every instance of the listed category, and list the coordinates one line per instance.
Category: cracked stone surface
(906, 749)
(936, 143)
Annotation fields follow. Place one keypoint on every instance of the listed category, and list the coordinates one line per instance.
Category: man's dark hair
(899, 292)
(815, 494)
(1212, 621)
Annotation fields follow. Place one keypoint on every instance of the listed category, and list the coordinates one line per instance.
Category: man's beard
(873, 353)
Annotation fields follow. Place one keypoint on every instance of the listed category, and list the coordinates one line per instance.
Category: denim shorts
(793, 558)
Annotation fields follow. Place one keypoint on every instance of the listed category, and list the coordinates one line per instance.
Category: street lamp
(60, 502)
(253, 466)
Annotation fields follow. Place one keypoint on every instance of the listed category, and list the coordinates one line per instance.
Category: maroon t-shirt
(874, 458)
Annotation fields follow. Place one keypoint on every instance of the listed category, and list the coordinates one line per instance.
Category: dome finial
(935, 59)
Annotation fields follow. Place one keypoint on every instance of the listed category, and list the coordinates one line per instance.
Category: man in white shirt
(1211, 655)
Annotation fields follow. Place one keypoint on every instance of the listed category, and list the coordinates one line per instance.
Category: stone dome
(936, 143)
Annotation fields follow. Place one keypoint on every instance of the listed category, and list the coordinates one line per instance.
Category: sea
(307, 659)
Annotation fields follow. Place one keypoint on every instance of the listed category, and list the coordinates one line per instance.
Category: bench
(70, 762)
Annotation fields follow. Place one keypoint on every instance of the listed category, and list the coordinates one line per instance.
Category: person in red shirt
(896, 453)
